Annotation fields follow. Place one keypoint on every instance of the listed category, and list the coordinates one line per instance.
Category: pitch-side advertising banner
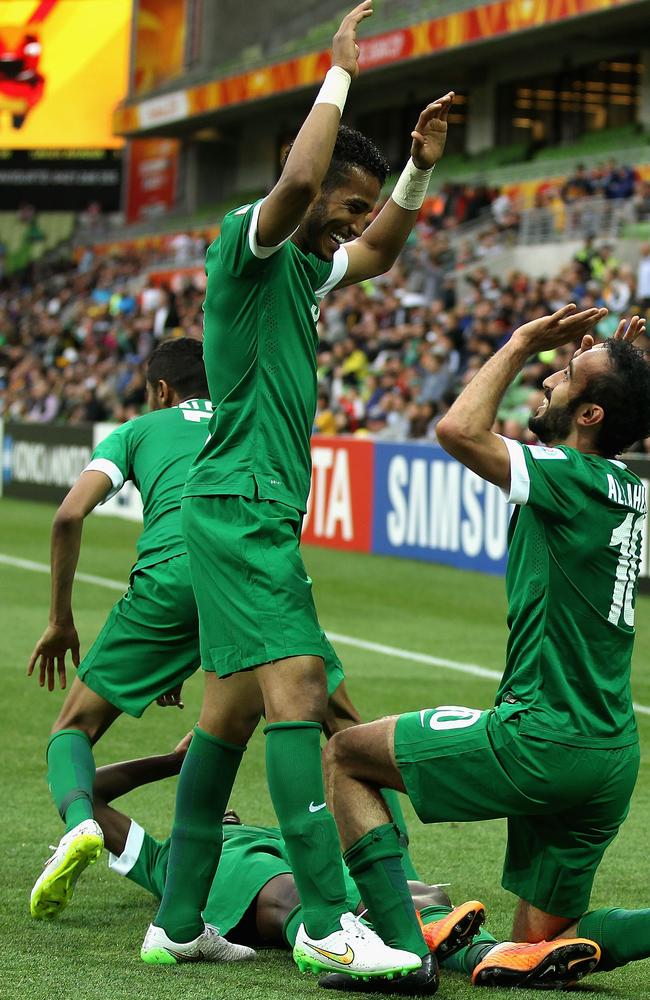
(42, 461)
(407, 500)
(428, 506)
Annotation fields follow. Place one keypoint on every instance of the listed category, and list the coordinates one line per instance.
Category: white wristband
(335, 88)
(411, 188)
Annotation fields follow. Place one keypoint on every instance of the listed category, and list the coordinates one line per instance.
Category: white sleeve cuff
(131, 852)
(339, 268)
(519, 478)
(262, 252)
(109, 469)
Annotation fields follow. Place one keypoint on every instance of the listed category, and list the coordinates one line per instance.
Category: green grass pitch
(91, 952)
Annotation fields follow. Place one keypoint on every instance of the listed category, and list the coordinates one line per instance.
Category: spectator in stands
(578, 186)
(643, 278)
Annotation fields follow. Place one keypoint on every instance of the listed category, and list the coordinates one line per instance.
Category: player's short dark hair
(623, 391)
(352, 149)
(179, 362)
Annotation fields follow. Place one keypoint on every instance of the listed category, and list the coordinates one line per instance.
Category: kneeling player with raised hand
(243, 504)
(558, 755)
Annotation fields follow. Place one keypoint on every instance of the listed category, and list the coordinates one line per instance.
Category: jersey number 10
(627, 537)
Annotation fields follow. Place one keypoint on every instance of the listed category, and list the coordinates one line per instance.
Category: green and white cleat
(54, 887)
(354, 950)
(210, 946)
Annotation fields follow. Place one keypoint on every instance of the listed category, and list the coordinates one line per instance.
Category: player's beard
(553, 425)
(314, 225)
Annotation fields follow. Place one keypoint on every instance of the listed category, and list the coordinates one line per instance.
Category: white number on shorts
(625, 536)
(451, 717)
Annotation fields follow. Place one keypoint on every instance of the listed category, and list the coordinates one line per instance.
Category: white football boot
(354, 950)
(210, 946)
(76, 850)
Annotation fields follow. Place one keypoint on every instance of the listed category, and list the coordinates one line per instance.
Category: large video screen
(63, 68)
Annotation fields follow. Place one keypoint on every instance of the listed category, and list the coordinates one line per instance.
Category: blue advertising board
(428, 506)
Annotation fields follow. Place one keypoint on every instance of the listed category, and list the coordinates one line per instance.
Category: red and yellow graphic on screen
(63, 68)
(160, 43)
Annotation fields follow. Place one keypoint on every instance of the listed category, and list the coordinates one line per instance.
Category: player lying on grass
(243, 504)
(253, 897)
(559, 754)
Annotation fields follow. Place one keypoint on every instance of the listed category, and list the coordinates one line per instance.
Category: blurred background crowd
(394, 352)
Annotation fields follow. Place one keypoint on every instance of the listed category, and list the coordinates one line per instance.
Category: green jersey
(260, 340)
(575, 543)
(155, 452)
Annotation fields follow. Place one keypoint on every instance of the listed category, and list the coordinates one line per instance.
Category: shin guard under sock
(70, 775)
(392, 800)
(375, 863)
(204, 787)
(295, 778)
(623, 935)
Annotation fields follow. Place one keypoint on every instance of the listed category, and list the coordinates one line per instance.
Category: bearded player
(559, 754)
(243, 504)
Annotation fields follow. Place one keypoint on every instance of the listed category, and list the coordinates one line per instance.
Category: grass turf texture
(91, 951)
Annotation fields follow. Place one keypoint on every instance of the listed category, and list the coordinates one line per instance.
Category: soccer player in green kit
(558, 755)
(243, 504)
(149, 644)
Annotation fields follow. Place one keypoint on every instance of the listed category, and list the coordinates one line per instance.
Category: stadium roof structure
(210, 97)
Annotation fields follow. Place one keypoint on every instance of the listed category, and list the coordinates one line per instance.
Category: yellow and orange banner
(63, 68)
(479, 23)
(159, 43)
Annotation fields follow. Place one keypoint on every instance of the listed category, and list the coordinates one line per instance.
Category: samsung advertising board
(428, 506)
(42, 461)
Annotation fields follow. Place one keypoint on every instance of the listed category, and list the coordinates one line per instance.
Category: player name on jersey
(633, 496)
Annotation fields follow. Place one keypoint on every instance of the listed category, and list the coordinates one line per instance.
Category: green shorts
(251, 857)
(564, 804)
(149, 643)
(253, 592)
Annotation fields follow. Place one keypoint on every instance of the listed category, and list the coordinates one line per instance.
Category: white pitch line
(36, 567)
(344, 640)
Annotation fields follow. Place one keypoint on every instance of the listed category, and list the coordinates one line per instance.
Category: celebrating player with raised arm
(559, 753)
(244, 501)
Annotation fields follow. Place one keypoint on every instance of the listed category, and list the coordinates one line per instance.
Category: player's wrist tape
(411, 188)
(335, 88)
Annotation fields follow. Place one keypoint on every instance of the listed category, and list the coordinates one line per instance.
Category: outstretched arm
(114, 780)
(283, 209)
(60, 636)
(378, 248)
(466, 430)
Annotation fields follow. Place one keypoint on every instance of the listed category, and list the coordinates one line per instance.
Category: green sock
(392, 800)
(375, 863)
(204, 787)
(291, 925)
(466, 959)
(295, 779)
(70, 775)
(623, 935)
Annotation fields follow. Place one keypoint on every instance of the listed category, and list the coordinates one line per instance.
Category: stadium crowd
(394, 352)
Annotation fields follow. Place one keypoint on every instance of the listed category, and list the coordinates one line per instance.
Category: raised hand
(631, 331)
(430, 133)
(624, 331)
(345, 51)
(563, 327)
(52, 647)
